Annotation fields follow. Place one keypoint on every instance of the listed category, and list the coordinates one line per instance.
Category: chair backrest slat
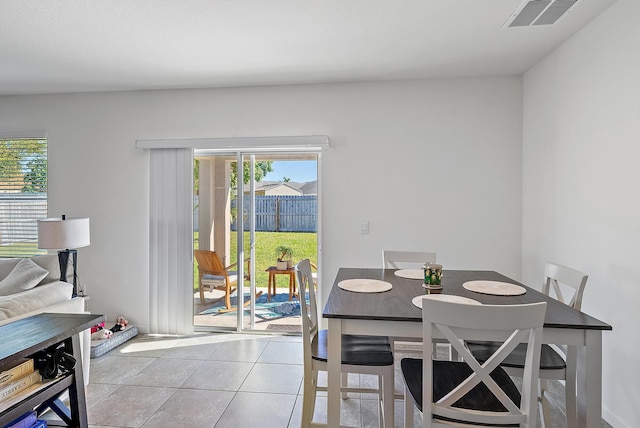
(556, 276)
(397, 259)
(309, 312)
(209, 261)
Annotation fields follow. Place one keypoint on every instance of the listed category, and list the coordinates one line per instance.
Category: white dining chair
(466, 393)
(556, 363)
(360, 354)
(392, 259)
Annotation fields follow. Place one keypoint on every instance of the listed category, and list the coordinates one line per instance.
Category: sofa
(29, 286)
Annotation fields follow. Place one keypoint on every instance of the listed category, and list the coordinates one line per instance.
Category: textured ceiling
(104, 45)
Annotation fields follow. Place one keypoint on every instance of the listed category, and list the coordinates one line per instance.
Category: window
(23, 195)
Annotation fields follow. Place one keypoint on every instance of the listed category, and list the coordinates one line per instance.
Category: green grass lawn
(304, 245)
(20, 249)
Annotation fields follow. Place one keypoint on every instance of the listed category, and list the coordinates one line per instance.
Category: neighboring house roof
(286, 188)
(310, 188)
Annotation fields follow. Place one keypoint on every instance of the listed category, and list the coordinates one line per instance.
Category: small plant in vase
(284, 254)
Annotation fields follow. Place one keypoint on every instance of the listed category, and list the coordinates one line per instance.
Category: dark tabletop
(395, 304)
(23, 337)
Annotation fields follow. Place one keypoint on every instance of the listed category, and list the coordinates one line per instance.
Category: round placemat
(417, 301)
(410, 273)
(365, 285)
(495, 288)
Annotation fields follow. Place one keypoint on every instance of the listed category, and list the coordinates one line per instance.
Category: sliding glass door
(251, 209)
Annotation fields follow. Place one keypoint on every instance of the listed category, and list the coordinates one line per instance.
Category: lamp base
(63, 260)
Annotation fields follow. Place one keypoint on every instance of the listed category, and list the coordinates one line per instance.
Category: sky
(298, 171)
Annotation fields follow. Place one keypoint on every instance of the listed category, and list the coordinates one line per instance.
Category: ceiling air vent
(540, 12)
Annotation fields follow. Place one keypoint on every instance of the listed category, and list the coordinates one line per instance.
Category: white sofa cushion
(24, 276)
(37, 298)
(50, 262)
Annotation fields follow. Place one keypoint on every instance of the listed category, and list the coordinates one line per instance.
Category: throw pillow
(23, 277)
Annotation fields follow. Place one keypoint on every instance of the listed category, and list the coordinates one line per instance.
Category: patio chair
(213, 274)
(467, 393)
(556, 363)
(360, 354)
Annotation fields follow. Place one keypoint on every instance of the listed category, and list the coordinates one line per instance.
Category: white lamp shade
(59, 234)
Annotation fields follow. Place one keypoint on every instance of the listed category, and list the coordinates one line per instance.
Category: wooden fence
(282, 213)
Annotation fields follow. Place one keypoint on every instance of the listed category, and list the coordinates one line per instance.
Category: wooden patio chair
(213, 274)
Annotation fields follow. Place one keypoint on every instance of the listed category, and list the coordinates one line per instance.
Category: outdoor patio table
(273, 271)
(392, 313)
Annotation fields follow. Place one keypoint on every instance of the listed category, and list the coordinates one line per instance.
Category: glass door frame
(249, 155)
(240, 257)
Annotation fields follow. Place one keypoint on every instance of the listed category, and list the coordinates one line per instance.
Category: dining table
(392, 313)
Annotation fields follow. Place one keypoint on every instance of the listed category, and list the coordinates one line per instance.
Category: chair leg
(545, 408)
(408, 408)
(227, 297)
(344, 381)
(570, 388)
(201, 294)
(309, 399)
(388, 394)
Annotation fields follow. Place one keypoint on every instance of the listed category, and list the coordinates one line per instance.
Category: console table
(23, 338)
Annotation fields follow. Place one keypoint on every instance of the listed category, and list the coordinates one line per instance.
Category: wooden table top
(274, 269)
(395, 304)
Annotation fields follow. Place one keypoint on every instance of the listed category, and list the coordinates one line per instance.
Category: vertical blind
(171, 241)
(23, 194)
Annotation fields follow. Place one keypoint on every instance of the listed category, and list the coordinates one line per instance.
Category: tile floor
(213, 380)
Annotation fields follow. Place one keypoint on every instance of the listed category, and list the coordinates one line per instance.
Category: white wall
(431, 165)
(581, 205)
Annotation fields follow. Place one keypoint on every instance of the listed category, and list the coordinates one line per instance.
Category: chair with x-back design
(467, 392)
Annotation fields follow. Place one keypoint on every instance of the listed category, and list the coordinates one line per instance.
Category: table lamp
(64, 234)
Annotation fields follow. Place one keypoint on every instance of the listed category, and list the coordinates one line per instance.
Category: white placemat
(410, 273)
(365, 285)
(417, 301)
(495, 288)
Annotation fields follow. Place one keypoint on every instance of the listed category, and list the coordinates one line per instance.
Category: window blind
(23, 195)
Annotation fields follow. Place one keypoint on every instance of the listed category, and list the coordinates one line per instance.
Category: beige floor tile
(286, 338)
(240, 350)
(96, 392)
(165, 372)
(193, 348)
(296, 415)
(251, 410)
(282, 352)
(129, 406)
(273, 378)
(144, 345)
(116, 369)
(350, 414)
(219, 376)
(225, 377)
(189, 408)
